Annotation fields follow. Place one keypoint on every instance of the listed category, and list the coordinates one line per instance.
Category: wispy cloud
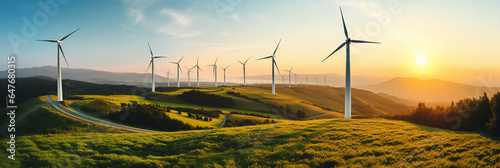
(182, 24)
(135, 9)
(177, 17)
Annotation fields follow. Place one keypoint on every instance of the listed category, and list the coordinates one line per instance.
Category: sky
(455, 40)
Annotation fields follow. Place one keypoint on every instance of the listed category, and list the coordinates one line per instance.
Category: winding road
(82, 116)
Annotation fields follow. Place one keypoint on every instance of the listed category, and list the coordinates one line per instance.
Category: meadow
(315, 143)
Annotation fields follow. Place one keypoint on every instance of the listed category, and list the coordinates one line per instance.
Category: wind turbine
(282, 76)
(59, 73)
(178, 69)
(197, 72)
(289, 77)
(152, 64)
(225, 74)
(168, 77)
(244, 75)
(215, 70)
(273, 63)
(189, 75)
(347, 43)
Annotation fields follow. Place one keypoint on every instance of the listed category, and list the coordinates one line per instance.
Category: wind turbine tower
(59, 73)
(347, 43)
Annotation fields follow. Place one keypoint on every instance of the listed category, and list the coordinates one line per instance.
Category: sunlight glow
(421, 59)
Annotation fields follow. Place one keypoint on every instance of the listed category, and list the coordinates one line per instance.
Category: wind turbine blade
(180, 59)
(291, 68)
(276, 66)
(247, 60)
(151, 51)
(60, 48)
(265, 57)
(361, 41)
(69, 34)
(173, 62)
(345, 29)
(48, 40)
(199, 67)
(198, 60)
(276, 47)
(179, 67)
(216, 61)
(150, 62)
(240, 62)
(160, 57)
(342, 45)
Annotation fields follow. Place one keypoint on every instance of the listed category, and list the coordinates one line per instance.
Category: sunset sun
(421, 60)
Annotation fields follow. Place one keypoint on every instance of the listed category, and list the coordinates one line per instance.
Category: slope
(317, 143)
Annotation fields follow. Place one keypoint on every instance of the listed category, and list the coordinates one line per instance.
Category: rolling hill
(316, 143)
(312, 99)
(432, 90)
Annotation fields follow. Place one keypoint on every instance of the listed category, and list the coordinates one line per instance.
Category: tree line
(469, 114)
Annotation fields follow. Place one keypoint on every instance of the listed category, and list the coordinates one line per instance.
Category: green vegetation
(470, 114)
(206, 99)
(151, 116)
(46, 121)
(316, 143)
(99, 106)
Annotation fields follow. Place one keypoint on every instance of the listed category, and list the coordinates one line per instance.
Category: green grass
(316, 143)
(46, 121)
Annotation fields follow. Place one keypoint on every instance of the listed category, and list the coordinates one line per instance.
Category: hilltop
(316, 143)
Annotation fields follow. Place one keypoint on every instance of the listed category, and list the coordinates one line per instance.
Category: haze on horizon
(448, 40)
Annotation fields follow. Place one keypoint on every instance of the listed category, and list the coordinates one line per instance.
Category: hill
(257, 98)
(432, 90)
(317, 143)
(100, 77)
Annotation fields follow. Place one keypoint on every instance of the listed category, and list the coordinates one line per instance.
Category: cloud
(135, 9)
(177, 17)
(182, 24)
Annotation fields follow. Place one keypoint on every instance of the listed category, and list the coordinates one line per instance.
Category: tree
(300, 114)
(494, 123)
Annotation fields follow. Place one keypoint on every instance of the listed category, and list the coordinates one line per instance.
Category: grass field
(316, 143)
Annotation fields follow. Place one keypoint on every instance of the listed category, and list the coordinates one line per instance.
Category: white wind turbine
(189, 75)
(273, 63)
(59, 73)
(347, 43)
(225, 74)
(197, 72)
(244, 74)
(215, 70)
(168, 77)
(152, 64)
(178, 69)
(290, 77)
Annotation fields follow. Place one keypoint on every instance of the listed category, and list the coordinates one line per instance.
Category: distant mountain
(102, 77)
(432, 90)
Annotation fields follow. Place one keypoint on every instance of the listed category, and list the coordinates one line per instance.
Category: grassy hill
(316, 143)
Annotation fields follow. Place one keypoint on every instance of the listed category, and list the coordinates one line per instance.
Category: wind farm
(414, 100)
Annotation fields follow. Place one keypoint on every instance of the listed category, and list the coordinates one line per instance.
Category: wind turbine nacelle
(59, 42)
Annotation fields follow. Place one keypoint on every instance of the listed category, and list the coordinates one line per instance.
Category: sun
(421, 60)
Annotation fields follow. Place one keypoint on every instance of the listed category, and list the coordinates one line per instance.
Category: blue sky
(458, 38)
